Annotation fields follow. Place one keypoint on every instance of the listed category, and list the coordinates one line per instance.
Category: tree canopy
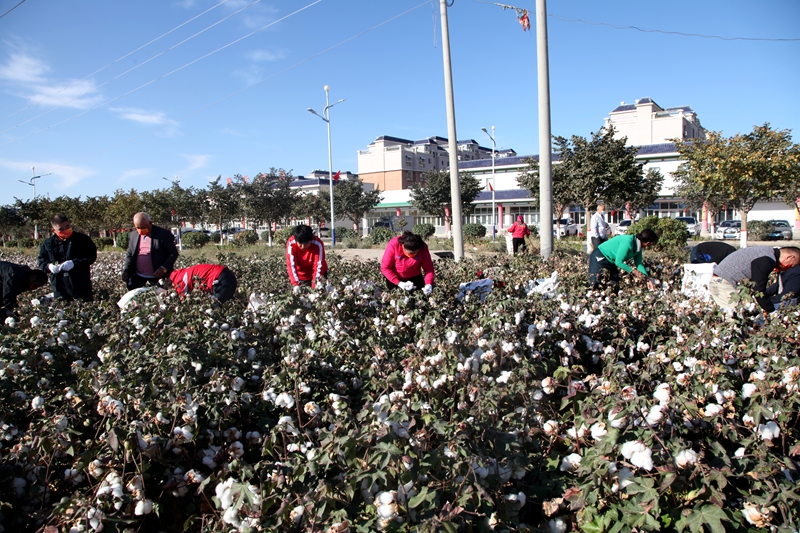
(432, 195)
(351, 200)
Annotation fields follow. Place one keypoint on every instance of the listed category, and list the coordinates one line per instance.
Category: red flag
(490, 186)
(245, 178)
(524, 20)
(336, 176)
(230, 181)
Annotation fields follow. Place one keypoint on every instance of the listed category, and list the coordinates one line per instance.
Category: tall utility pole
(545, 163)
(494, 183)
(326, 116)
(32, 183)
(455, 184)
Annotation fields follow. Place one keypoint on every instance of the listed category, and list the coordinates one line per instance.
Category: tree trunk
(743, 233)
(589, 248)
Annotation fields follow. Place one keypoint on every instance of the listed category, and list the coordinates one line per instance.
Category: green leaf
(707, 514)
(424, 496)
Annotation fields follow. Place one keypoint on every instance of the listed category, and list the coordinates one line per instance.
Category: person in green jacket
(613, 255)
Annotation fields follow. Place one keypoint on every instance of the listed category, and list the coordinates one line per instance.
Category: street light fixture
(326, 116)
(175, 182)
(494, 184)
(32, 183)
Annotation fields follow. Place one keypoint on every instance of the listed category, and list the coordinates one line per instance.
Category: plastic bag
(481, 288)
(696, 278)
(545, 286)
(130, 299)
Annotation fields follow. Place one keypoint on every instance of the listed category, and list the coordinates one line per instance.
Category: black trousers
(597, 241)
(224, 287)
(418, 281)
(136, 282)
(597, 263)
(519, 244)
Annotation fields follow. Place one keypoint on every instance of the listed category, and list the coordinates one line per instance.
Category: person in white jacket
(598, 227)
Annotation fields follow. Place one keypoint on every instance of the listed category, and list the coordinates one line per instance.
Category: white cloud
(232, 132)
(55, 176)
(134, 173)
(22, 68)
(195, 161)
(249, 75)
(267, 55)
(148, 118)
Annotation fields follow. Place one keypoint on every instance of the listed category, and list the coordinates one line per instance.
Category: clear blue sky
(115, 129)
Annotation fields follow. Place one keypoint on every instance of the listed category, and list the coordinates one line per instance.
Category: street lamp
(494, 184)
(32, 183)
(326, 116)
(176, 182)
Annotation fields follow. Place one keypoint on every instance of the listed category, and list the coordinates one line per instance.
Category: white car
(691, 225)
(568, 227)
(729, 229)
(623, 227)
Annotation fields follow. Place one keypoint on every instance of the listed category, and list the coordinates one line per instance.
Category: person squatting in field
(407, 263)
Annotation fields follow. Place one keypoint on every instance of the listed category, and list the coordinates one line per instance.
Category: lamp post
(494, 183)
(326, 116)
(32, 183)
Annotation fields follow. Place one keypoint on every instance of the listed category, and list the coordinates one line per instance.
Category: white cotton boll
(739, 453)
(655, 414)
(504, 376)
(516, 500)
(598, 430)
(570, 463)
(296, 514)
(642, 347)
(638, 454)
(387, 511)
(284, 399)
(769, 431)
(748, 389)
(143, 507)
(550, 427)
(662, 394)
(616, 419)
(713, 409)
(37, 403)
(231, 517)
(557, 525)
(685, 458)
(36, 321)
(549, 385)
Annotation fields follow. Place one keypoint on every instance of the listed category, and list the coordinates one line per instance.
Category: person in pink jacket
(405, 260)
(519, 230)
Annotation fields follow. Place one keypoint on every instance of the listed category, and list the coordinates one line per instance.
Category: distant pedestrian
(305, 258)
(68, 256)
(519, 230)
(151, 253)
(613, 255)
(218, 280)
(598, 227)
(711, 252)
(755, 263)
(16, 279)
(407, 263)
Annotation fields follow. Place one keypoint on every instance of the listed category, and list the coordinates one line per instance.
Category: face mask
(143, 231)
(63, 235)
(411, 255)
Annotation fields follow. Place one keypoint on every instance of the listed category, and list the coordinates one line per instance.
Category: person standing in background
(151, 253)
(67, 255)
(519, 230)
(598, 227)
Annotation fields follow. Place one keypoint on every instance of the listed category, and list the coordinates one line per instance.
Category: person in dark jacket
(711, 252)
(151, 253)
(67, 255)
(16, 279)
(787, 289)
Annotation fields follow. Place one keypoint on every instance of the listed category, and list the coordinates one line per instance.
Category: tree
(745, 168)
(563, 195)
(698, 196)
(604, 168)
(432, 195)
(313, 206)
(221, 203)
(351, 200)
(268, 198)
(10, 222)
(36, 212)
(93, 214)
(121, 210)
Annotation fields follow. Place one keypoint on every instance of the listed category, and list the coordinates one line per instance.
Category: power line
(12, 9)
(259, 82)
(644, 30)
(110, 64)
(141, 64)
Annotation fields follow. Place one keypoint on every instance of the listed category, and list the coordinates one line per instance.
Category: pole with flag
(336, 176)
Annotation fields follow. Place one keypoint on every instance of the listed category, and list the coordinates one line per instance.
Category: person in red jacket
(305, 257)
(519, 230)
(216, 279)
(405, 260)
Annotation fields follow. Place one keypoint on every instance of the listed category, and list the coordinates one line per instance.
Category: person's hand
(637, 273)
(54, 268)
(651, 284)
(66, 266)
(406, 285)
(160, 272)
(427, 289)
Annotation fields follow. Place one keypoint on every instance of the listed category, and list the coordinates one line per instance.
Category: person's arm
(44, 257)
(319, 260)
(527, 231)
(637, 259)
(427, 265)
(791, 282)
(9, 293)
(623, 251)
(129, 267)
(171, 251)
(87, 253)
(387, 264)
(760, 269)
(291, 263)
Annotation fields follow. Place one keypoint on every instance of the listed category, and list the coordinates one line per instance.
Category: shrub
(282, 235)
(346, 233)
(758, 230)
(474, 231)
(27, 242)
(245, 238)
(381, 235)
(103, 242)
(424, 230)
(671, 232)
(122, 240)
(195, 239)
(351, 243)
(215, 237)
(265, 235)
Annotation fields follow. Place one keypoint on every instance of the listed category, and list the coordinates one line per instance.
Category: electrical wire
(12, 9)
(644, 30)
(231, 95)
(141, 64)
(101, 69)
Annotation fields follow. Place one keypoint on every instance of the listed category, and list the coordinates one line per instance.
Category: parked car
(568, 227)
(382, 224)
(623, 227)
(691, 225)
(729, 229)
(781, 230)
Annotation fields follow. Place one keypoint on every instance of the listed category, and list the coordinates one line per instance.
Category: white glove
(54, 268)
(427, 289)
(66, 266)
(406, 285)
